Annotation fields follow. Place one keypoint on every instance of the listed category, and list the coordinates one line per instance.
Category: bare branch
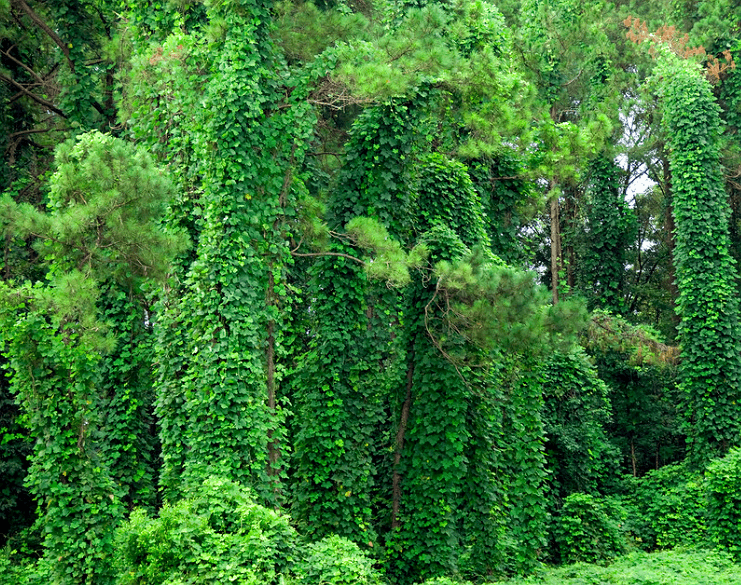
(34, 131)
(341, 255)
(19, 63)
(578, 75)
(33, 96)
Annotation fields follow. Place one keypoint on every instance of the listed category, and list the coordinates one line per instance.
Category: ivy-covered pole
(710, 337)
(127, 434)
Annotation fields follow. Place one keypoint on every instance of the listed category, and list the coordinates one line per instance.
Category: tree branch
(45, 27)
(341, 255)
(34, 131)
(19, 63)
(33, 96)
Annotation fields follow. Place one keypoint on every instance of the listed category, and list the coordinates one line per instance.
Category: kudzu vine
(217, 388)
(340, 398)
(610, 225)
(710, 338)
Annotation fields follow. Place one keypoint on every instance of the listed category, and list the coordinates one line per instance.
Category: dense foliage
(367, 292)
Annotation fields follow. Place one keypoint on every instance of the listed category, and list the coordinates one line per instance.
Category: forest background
(359, 291)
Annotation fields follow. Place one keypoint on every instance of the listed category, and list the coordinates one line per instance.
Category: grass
(675, 567)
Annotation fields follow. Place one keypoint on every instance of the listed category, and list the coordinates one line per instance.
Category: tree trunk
(556, 263)
(396, 479)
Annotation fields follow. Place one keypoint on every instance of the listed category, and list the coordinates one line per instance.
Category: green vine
(82, 386)
(339, 378)
(217, 388)
(610, 225)
(709, 332)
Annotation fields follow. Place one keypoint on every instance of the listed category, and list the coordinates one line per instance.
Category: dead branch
(32, 95)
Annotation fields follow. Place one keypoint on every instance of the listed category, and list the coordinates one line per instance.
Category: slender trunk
(555, 246)
(670, 227)
(396, 480)
(273, 450)
(633, 457)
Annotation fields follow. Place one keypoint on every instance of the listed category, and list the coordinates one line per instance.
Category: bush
(220, 536)
(17, 569)
(335, 561)
(445, 581)
(588, 530)
(575, 411)
(723, 480)
(667, 508)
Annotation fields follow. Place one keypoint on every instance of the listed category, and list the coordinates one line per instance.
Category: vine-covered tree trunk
(342, 377)
(434, 459)
(710, 336)
(611, 227)
(217, 397)
(83, 386)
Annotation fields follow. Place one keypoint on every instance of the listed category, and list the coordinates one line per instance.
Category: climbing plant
(709, 329)
(339, 378)
(56, 381)
(217, 389)
(610, 227)
(460, 319)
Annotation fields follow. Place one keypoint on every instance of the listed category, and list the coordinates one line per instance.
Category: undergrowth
(675, 567)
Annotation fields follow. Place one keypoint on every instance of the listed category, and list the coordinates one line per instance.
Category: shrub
(17, 569)
(588, 530)
(723, 480)
(335, 561)
(219, 536)
(445, 581)
(667, 508)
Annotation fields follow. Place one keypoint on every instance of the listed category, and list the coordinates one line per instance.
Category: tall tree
(610, 233)
(69, 349)
(565, 50)
(217, 392)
